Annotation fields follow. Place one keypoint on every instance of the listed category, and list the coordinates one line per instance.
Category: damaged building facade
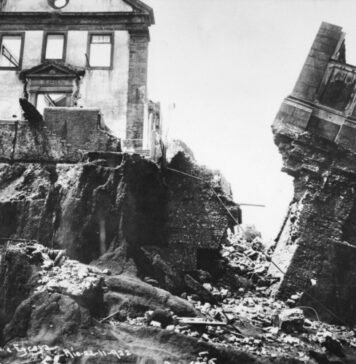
(80, 54)
(67, 180)
(315, 131)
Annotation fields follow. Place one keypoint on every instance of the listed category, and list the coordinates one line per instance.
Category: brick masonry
(195, 217)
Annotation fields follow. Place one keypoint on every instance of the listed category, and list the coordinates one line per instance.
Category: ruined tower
(315, 131)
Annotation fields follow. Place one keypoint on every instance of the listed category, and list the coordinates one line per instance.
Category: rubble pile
(247, 256)
(65, 275)
(266, 327)
(251, 319)
(248, 319)
(62, 314)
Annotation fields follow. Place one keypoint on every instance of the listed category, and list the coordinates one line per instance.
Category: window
(51, 100)
(11, 51)
(100, 50)
(54, 46)
(58, 4)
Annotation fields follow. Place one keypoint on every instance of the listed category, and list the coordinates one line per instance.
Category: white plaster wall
(77, 42)
(73, 6)
(32, 49)
(11, 87)
(10, 91)
(104, 89)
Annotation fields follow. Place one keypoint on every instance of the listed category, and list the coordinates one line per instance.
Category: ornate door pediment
(52, 69)
(52, 78)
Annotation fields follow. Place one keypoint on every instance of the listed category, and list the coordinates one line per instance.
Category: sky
(221, 69)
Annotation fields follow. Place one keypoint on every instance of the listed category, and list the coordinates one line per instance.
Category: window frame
(44, 45)
(13, 34)
(112, 42)
(68, 96)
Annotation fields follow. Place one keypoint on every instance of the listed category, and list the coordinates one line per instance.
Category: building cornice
(141, 6)
(74, 21)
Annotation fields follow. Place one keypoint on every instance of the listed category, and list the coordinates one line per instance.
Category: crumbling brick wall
(63, 137)
(121, 210)
(197, 220)
(81, 128)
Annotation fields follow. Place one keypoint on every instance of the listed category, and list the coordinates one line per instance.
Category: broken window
(11, 51)
(54, 46)
(51, 100)
(100, 50)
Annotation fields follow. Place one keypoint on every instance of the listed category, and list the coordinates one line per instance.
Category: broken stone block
(155, 324)
(290, 320)
(164, 317)
(198, 289)
(257, 244)
(334, 347)
(201, 276)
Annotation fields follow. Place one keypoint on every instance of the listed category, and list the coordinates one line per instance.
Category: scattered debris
(250, 318)
(291, 320)
(163, 317)
(334, 347)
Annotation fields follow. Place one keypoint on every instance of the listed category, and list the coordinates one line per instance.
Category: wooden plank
(199, 321)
